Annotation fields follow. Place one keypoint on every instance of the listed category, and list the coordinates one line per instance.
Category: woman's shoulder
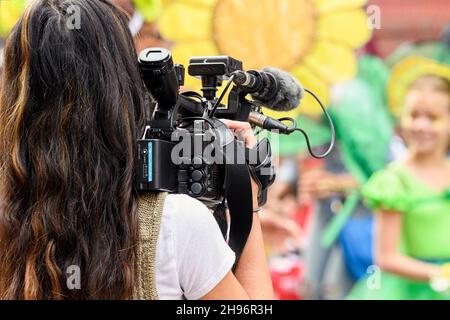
(185, 209)
(201, 255)
(176, 208)
(190, 219)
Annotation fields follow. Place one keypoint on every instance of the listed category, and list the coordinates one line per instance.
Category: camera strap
(238, 194)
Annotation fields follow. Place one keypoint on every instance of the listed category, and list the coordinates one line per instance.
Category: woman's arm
(387, 254)
(252, 270)
(251, 279)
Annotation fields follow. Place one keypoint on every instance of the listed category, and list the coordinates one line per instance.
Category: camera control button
(197, 163)
(196, 175)
(196, 188)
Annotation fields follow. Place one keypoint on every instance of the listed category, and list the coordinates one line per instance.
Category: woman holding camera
(71, 111)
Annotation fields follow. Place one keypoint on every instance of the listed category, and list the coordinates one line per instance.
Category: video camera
(185, 148)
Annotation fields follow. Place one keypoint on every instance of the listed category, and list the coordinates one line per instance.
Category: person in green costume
(411, 197)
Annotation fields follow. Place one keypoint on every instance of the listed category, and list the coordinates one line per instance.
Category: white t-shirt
(192, 256)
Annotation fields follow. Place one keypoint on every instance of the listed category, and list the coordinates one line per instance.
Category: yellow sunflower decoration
(312, 39)
(10, 11)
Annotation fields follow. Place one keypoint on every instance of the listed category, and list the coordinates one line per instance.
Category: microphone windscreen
(289, 94)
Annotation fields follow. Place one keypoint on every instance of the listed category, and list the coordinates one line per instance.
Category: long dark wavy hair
(71, 109)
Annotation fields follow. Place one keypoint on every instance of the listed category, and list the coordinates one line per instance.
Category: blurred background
(317, 225)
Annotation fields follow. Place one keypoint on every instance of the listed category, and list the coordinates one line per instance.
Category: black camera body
(159, 168)
(186, 149)
(183, 119)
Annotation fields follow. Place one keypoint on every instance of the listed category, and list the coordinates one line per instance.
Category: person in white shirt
(71, 111)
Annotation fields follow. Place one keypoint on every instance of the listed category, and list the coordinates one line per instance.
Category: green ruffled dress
(425, 232)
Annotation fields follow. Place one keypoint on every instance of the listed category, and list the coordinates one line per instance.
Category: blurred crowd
(320, 224)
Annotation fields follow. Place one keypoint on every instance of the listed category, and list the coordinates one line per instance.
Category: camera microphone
(275, 89)
(271, 87)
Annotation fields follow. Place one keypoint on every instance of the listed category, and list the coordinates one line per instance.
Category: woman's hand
(244, 132)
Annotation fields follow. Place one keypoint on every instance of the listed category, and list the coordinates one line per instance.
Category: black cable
(333, 132)
(294, 122)
(291, 129)
(216, 105)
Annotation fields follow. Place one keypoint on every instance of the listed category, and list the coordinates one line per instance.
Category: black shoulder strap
(238, 193)
(238, 199)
